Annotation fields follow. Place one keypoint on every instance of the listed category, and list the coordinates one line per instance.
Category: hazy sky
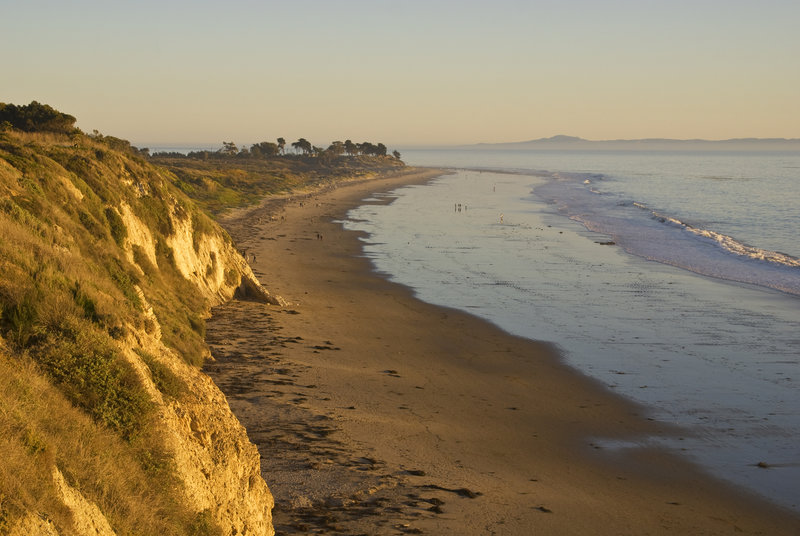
(407, 71)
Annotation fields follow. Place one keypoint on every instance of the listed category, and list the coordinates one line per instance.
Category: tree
(350, 147)
(228, 148)
(265, 149)
(396, 154)
(35, 117)
(337, 148)
(368, 148)
(282, 145)
(326, 157)
(303, 145)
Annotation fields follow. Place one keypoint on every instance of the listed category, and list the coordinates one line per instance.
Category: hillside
(107, 271)
(218, 183)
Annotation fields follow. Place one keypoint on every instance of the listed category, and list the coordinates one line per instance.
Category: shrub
(166, 381)
(91, 224)
(96, 378)
(87, 304)
(154, 211)
(117, 227)
(204, 524)
(21, 317)
(201, 226)
(125, 282)
(143, 261)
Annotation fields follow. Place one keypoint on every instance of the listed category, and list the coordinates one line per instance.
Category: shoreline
(375, 412)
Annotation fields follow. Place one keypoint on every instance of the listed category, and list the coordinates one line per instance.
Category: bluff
(107, 271)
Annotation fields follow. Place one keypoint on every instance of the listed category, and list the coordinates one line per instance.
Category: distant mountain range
(650, 144)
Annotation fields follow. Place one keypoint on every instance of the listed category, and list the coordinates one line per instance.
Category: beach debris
(392, 372)
(606, 243)
(415, 472)
(463, 492)
(324, 347)
(405, 528)
(543, 509)
(300, 501)
(763, 465)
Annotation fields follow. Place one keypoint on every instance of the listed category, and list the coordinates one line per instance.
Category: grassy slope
(67, 299)
(223, 183)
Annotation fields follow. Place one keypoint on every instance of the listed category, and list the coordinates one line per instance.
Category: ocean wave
(726, 242)
(726, 178)
(730, 244)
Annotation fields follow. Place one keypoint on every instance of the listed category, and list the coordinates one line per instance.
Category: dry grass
(68, 399)
(40, 429)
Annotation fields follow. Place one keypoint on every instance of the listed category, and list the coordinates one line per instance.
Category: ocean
(671, 277)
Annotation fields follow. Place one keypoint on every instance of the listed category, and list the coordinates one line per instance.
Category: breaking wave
(728, 243)
(657, 236)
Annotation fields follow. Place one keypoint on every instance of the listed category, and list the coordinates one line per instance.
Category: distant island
(563, 143)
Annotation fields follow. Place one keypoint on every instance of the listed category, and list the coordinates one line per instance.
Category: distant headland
(562, 142)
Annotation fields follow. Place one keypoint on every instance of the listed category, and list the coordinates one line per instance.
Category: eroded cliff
(107, 425)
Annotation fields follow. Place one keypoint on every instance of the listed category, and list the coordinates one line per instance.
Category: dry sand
(376, 413)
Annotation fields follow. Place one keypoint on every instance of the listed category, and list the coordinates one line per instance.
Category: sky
(407, 72)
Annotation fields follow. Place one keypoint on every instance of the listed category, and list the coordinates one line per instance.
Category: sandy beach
(376, 413)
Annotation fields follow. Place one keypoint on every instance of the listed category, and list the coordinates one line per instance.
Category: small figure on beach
(501, 217)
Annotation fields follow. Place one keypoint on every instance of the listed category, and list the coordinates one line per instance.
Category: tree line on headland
(301, 147)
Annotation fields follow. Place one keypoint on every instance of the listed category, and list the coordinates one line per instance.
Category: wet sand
(376, 413)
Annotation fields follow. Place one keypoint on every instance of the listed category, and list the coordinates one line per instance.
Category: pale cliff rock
(33, 525)
(138, 235)
(87, 518)
(218, 465)
(207, 261)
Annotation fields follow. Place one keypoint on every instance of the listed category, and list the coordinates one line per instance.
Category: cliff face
(106, 274)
